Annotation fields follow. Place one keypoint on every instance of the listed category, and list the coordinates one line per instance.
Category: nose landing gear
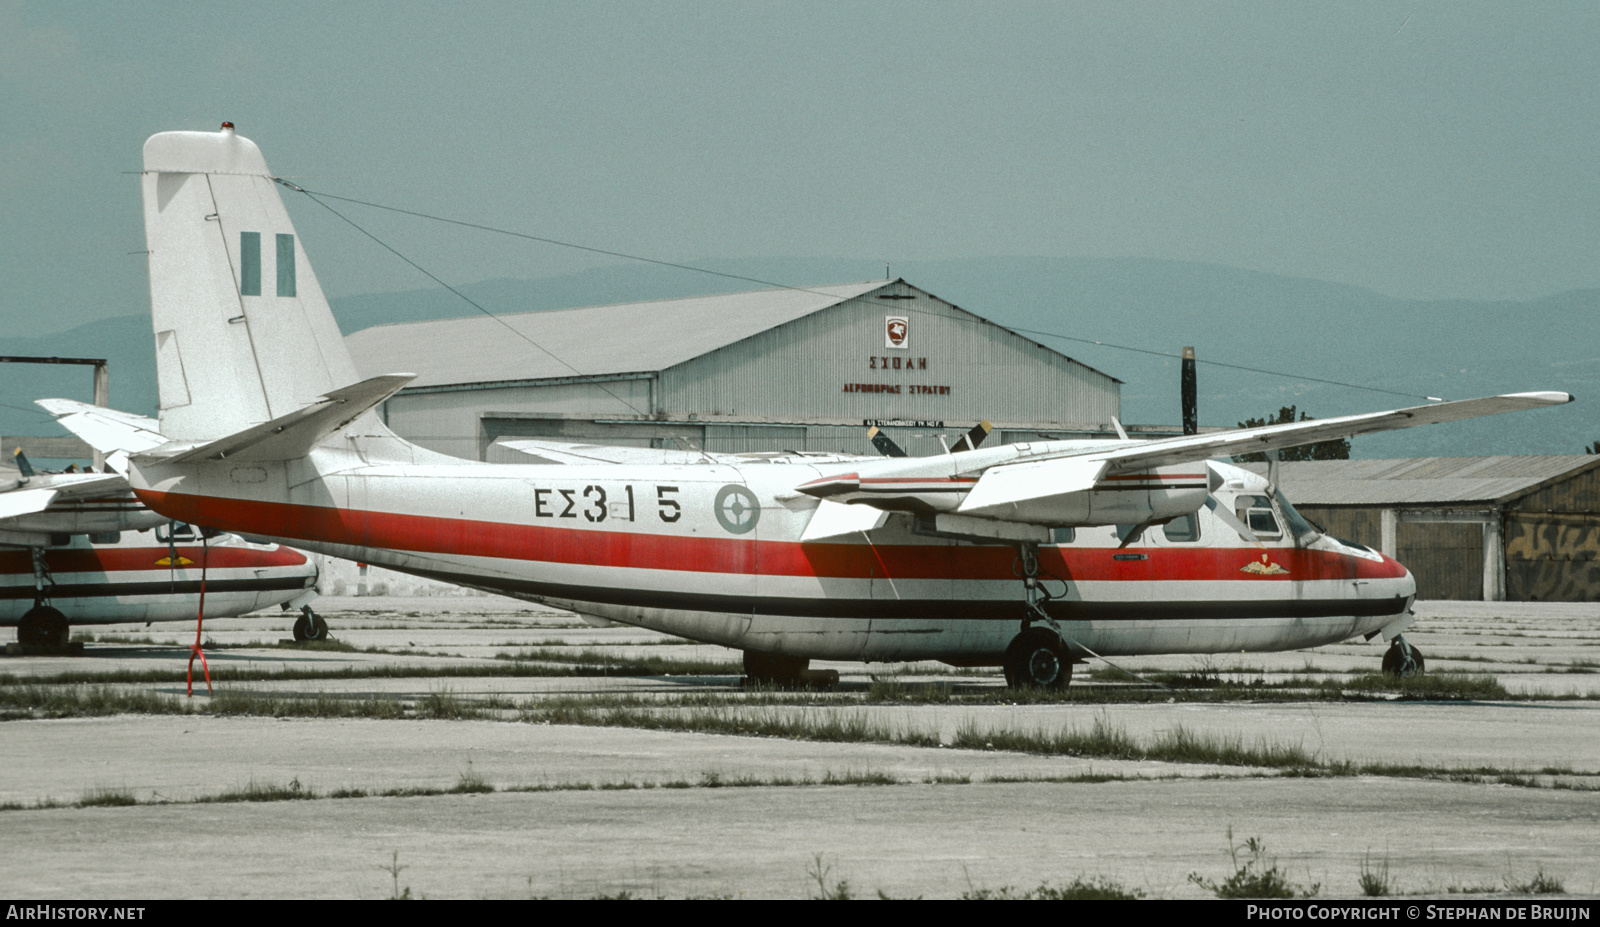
(310, 626)
(1403, 661)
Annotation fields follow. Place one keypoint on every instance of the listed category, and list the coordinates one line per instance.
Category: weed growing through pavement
(821, 873)
(1374, 880)
(1259, 876)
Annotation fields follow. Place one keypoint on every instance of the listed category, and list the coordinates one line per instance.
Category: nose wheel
(1403, 661)
(310, 626)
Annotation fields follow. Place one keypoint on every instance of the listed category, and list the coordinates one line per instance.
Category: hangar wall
(809, 383)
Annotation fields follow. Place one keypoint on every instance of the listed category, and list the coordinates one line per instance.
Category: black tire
(44, 626)
(310, 627)
(775, 668)
(1394, 660)
(1037, 659)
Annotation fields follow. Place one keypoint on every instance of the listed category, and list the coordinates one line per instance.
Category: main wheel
(310, 627)
(43, 626)
(1400, 664)
(1037, 659)
(774, 667)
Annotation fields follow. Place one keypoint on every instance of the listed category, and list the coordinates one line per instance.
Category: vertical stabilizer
(243, 333)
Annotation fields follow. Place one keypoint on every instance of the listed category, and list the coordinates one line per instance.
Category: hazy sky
(1419, 149)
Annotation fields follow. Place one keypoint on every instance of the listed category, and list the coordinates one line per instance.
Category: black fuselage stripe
(179, 587)
(944, 609)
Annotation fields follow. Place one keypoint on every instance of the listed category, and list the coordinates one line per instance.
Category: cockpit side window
(175, 531)
(1257, 515)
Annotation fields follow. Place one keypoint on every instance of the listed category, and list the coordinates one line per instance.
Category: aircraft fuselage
(713, 553)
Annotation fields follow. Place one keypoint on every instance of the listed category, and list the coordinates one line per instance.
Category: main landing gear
(776, 669)
(1403, 661)
(1038, 657)
(44, 627)
(310, 626)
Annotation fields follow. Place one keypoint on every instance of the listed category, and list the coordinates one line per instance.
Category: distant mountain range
(1311, 330)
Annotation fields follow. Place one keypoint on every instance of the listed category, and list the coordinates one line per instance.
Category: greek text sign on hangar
(801, 369)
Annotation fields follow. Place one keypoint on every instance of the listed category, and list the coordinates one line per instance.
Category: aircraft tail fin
(243, 333)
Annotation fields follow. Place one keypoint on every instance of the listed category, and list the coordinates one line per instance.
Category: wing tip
(1548, 398)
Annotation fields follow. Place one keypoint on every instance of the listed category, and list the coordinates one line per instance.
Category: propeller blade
(1231, 520)
(973, 438)
(884, 444)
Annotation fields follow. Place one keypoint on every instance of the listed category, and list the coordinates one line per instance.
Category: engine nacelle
(1115, 499)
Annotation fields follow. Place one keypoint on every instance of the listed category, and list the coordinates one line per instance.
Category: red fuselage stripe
(737, 555)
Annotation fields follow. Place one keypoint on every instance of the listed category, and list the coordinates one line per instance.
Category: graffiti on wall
(1553, 560)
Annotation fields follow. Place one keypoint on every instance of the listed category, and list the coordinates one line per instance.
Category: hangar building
(1524, 529)
(787, 369)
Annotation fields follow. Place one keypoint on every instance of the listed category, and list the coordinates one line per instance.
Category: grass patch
(107, 798)
(612, 665)
(1540, 884)
(1104, 740)
(256, 791)
(1079, 889)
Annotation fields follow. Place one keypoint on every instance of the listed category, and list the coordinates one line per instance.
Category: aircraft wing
(44, 491)
(1167, 451)
(1068, 482)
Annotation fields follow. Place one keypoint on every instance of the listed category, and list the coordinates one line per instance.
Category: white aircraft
(1031, 556)
(78, 548)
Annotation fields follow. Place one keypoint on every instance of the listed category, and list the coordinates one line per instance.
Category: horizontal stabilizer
(293, 436)
(835, 521)
(106, 430)
(1002, 490)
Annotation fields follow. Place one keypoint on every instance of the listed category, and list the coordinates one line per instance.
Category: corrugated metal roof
(1421, 480)
(592, 341)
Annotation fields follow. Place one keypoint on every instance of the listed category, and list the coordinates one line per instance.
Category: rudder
(243, 332)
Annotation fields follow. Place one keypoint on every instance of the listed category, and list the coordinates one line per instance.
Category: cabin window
(1257, 515)
(1063, 535)
(1185, 529)
(105, 537)
(1129, 534)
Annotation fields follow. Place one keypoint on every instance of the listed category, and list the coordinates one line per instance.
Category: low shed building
(1523, 529)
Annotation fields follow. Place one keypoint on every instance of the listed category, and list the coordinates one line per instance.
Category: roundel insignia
(737, 509)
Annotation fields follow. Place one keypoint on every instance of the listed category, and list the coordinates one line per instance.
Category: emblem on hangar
(896, 331)
(737, 509)
(1263, 568)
